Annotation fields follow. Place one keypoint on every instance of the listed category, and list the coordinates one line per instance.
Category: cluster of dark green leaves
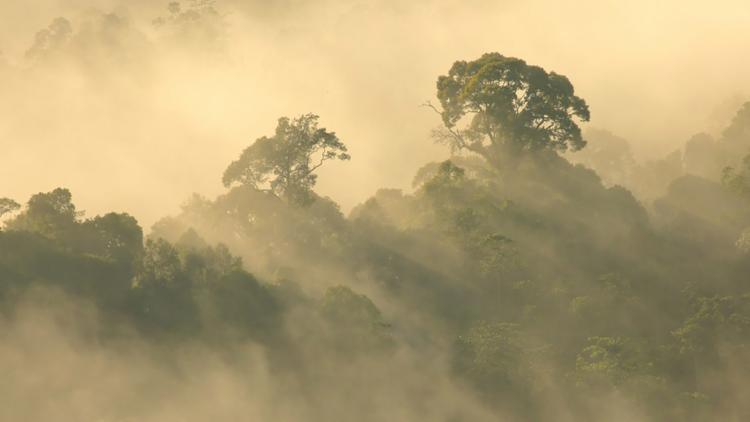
(511, 105)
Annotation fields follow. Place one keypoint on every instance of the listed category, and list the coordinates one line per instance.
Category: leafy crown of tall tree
(511, 107)
(286, 162)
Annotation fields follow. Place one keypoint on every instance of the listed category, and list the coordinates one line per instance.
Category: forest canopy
(540, 273)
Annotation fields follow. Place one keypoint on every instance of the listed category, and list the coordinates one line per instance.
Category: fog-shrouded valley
(360, 210)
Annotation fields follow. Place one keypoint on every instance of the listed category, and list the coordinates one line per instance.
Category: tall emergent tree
(286, 162)
(508, 107)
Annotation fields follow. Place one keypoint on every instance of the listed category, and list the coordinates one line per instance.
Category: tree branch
(322, 159)
(456, 135)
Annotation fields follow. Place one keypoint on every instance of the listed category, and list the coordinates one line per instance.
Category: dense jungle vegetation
(540, 274)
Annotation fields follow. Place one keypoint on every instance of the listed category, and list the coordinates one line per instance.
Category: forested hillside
(509, 284)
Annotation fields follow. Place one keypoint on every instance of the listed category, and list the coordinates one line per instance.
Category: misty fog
(340, 210)
(172, 107)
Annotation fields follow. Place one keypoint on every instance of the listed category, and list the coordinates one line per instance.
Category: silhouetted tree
(50, 214)
(287, 161)
(115, 236)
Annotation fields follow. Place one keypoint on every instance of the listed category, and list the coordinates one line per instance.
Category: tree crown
(286, 162)
(509, 104)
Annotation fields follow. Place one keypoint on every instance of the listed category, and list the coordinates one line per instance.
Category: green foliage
(239, 306)
(117, 237)
(493, 355)
(610, 359)
(28, 260)
(499, 360)
(448, 175)
(357, 321)
(474, 167)
(715, 322)
(511, 105)
(160, 264)
(50, 214)
(114, 237)
(558, 290)
(286, 162)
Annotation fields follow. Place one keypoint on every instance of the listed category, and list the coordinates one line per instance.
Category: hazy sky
(131, 119)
